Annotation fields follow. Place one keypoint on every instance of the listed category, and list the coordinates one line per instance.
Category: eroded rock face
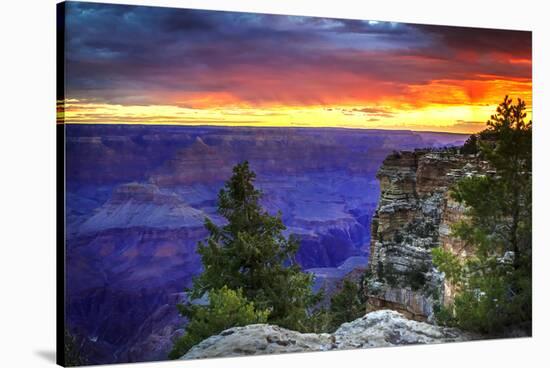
(375, 329)
(415, 214)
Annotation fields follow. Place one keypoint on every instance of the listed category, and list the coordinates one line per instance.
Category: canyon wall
(415, 214)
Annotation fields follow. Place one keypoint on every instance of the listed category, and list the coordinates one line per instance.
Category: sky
(150, 65)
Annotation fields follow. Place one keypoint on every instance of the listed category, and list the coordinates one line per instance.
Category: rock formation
(376, 329)
(414, 215)
(143, 205)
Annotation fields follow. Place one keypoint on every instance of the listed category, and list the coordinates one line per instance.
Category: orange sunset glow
(190, 67)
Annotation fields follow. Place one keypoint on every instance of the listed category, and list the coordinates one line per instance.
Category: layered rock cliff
(414, 215)
(375, 329)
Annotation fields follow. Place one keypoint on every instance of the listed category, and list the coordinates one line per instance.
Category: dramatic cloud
(134, 55)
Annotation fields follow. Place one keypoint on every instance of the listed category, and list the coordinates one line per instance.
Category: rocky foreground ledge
(375, 329)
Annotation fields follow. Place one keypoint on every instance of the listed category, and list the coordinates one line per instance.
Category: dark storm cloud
(478, 40)
(112, 45)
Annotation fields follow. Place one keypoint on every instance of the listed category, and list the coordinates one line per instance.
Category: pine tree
(251, 253)
(495, 282)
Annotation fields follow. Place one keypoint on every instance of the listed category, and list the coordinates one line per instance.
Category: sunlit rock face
(376, 329)
(414, 215)
(137, 197)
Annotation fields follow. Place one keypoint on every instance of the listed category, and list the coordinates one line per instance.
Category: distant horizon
(212, 126)
(128, 64)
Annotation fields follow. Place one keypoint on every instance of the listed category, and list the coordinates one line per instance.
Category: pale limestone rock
(258, 339)
(390, 328)
(375, 329)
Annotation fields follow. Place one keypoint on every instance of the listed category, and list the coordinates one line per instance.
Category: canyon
(415, 213)
(137, 196)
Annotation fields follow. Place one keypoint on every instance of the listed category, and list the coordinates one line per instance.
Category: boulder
(376, 329)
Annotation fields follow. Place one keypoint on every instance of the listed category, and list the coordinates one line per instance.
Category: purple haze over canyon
(136, 198)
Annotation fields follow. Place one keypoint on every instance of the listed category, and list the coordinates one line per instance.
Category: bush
(448, 263)
(390, 275)
(72, 354)
(416, 278)
(444, 315)
(227, 308)
(346, 305)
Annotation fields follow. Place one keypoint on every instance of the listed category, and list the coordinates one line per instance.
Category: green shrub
(227, 308)
(346, 305)
(415, 278)
(444, 315)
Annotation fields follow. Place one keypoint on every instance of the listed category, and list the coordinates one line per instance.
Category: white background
(27, 179)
